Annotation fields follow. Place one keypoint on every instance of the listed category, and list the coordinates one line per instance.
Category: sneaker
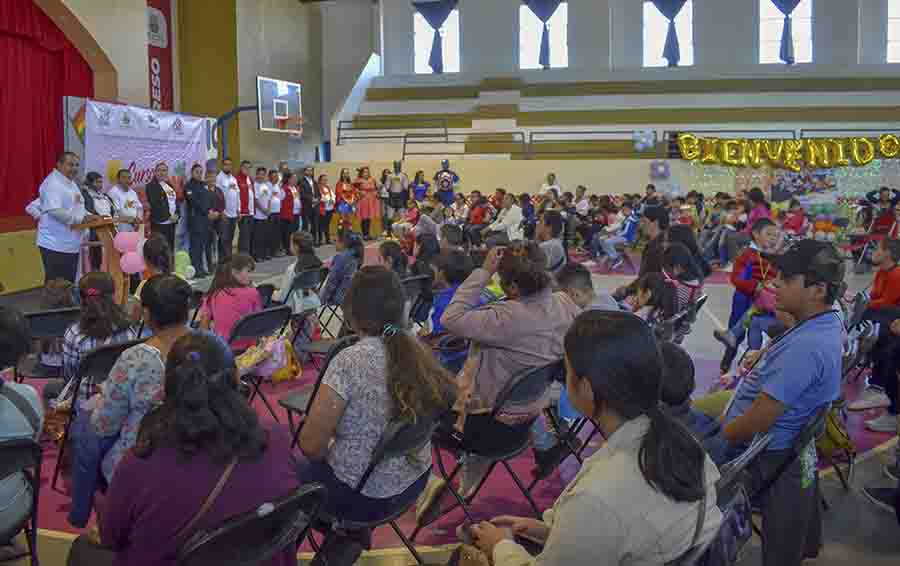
(882, 497)
(885, 423)
(892, 472)
(616, 264)
(727, 338)
(728, 268)
(429, 505)
(872, 398)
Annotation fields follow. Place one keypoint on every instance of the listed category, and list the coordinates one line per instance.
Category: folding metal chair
(256, 536)
(416, 290)
(299, 402)
(96, 365)
(523, 389)
(45, 325)
(254, 327)
(399, 439)
(26, 456)
(194, 303)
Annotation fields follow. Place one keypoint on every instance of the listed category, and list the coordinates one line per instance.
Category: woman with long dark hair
(387, 375)
(684, 235)
(101, 437)
(231, 296)
(203, 432)
(349, 258)
(102, 322)
(645, 486)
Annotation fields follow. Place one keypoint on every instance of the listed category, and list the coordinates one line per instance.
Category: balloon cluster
(659, 170)
(644, 140)
(793, 155)
(130, 245)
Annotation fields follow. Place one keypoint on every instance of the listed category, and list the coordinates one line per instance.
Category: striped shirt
(76, 345)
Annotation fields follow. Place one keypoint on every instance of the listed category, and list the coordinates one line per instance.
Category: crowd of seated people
(171, 407)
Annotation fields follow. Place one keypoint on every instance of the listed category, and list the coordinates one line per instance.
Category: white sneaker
(885, 423)
(728, 268)
(872, 398)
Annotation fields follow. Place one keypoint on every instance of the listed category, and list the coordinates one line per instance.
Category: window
(423, 36)
(656, 26)
(771, 24)
(530, 30)
(893, 32)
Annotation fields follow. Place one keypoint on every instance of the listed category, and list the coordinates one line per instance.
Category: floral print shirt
(135, 386)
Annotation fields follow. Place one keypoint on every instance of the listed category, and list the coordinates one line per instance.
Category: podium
(105, 229)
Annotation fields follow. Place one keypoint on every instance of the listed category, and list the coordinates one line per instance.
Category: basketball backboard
(279, 106)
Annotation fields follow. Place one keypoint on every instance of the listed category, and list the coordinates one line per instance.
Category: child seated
(231, 297)
(795, 223)
(617, 234)
(400, 229)
(303, 299)
(678, 386)
(654, 298)
(753, 307)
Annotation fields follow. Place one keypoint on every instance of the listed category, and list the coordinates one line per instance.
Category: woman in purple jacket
(203, 427)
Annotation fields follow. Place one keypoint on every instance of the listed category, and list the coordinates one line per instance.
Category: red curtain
(38, 66)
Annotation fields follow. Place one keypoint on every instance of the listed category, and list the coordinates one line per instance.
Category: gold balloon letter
(773, 150)
(817, 154)
(752, 150)
(689, 146)
(709, 155)
(839, 151)
(863, 150)
(792, 154)
(732, 154)
(889, 146)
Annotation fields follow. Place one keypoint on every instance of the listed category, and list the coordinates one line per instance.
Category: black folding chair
(306, 279)
(416, 290)
(194, 303)
(45, 325)
(675, 328)
(96, 365)
(256, 536)
(399, 439)
(266, 292)
(256, 326)
(26, 456)
(523, 389)
(299, 402)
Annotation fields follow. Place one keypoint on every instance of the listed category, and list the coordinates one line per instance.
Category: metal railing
(346, 129)
(581, 136)
(411, 140)
(845, 132)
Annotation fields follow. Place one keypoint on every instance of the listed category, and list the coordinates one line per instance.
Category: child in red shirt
(795, 222)
(753, 279)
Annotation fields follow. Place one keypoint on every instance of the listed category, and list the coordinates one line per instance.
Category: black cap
(819, 261)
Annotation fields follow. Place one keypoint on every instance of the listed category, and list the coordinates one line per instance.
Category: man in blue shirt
(798, 375)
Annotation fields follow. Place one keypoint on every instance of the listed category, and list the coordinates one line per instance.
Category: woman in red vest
(290, 209)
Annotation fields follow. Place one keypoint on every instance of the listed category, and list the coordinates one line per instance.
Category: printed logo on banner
(104, 117)
(152, 120)
(178, 127)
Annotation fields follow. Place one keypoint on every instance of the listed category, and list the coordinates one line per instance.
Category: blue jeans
(87, 451)
(542, 438)
(758, 324)
(607, 246)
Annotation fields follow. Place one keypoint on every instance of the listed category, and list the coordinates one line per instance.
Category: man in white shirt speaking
(62, 206)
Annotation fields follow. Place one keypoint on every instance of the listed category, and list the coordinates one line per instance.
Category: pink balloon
(127, 241)
(132, 262)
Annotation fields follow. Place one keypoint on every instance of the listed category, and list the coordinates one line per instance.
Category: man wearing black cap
(798, 375)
